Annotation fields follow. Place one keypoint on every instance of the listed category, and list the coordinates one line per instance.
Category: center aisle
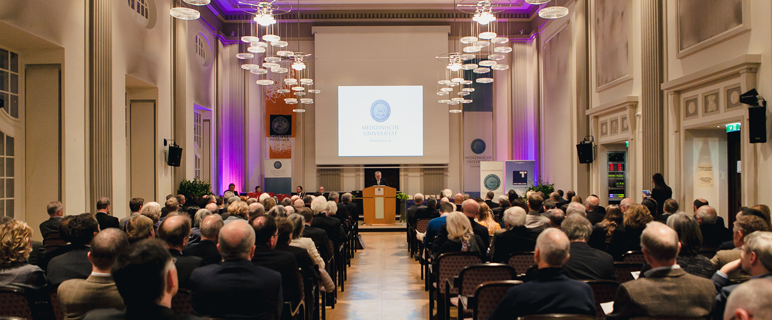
(383, 282)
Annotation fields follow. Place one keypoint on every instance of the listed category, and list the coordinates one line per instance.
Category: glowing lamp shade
(243, 56)
(555, 12)
(537, 1)
(484, 18)
(455, 111)
(185, 13)
(299, 66)
(264, 19)
(197, 2)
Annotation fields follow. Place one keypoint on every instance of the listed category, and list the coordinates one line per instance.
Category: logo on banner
(478, 146)
(277, 165)
(380, 110)
(492, 182)
(280, 125)
(520, 178)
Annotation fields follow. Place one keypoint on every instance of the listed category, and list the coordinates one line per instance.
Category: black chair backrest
(181, 302)
(472, 276)
(449, 265)
(56, 305)
(603, 291)
(624, 270)
(53, 241)
(14, 303)
(488, 295)
(560, 316)
(633, 257)
(421, 225)
(521, 261)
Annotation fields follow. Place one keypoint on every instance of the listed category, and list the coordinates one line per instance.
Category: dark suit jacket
(724, 287)
(284, 263)
(106, 221)
(587, 263)
(50, 226)
(185, 265)
(237, 289)
(424, 212)
(595, 216)
(71, 265)
(319, 237)
(665, 293)
(332, 226)
(518, 239)
(204, 249)
(491, 204)
(303, 259)
(150, 312)
(616, 246)
(551, 292)
(714, 234)
(343, 213)
(384, 182)
(411, 214)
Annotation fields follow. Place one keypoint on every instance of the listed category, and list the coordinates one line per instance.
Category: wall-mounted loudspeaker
(757, 124)
(584, 151)
(173, 156)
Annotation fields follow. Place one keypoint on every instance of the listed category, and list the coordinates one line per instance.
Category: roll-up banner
(492, 178)
(478, 133)
(519, 175)
(278, 176)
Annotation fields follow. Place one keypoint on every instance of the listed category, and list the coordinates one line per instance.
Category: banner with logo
(492, 178)
(478, 133)
(519, 174)
(280, 123)
(278, 176)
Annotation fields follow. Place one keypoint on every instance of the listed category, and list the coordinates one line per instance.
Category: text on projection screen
(380, 121)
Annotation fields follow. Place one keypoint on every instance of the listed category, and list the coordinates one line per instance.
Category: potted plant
(402, 203)
(194, 190)
(545, 187)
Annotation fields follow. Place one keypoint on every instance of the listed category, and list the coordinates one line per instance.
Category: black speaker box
(173, 156)
(584, 151)
(757, 124)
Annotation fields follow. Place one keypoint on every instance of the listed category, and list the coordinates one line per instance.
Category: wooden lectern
(379, 205)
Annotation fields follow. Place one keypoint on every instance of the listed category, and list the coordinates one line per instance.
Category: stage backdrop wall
(492, 178)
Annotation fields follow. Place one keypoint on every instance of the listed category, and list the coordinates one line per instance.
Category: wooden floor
(383, 282)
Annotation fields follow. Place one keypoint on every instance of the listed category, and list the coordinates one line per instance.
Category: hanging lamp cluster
(188, 13)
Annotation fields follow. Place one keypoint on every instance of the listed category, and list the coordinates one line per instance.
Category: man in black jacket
(206, 249)
(175, 230)
(319, 236)
(329, 224)
(418, 198)
(586, 263)
(266, 236)
(489, 200)
(74, 264)
(55, 213)
(517, 238)
(591, 206)
(103, 215)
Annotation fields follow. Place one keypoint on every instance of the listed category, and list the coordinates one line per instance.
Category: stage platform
(398, 227)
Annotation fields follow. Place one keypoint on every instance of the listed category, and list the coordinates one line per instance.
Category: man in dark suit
(517, 238)
(489, 200)
(429, 211)
(74, 264)
(103, 215)
(266, 237)
(175, 230)
(755, 260)
(504, 204)
(327, 223)
(147, 280)
(558, 198)
(55, 213)
(236, 288)
(418, 200)
(666, 290)
(319, 236)
(713, 234)
(379, 180)
(78, 296)
(552, 291)
(303, 259)
(206, 249)
(586, 263)
(592, 208)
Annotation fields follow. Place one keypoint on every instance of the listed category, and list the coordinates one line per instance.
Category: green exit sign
(733, 127)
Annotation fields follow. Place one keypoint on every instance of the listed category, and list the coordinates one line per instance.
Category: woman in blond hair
(461, 237)
(485, 218)
(15, 247)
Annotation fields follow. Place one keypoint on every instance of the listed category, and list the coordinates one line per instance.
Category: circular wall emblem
(380, 110)
(492, 182)
(277, 165)
(280, 125)
(478, 146)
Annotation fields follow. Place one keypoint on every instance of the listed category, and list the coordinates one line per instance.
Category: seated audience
(689, 257)
(504, 204)
(418, 202)
(135, 205)
(324, 220)
(743, 226)
(586, 263)
(236, 288)
(552, 291)
(575, 208)
(556, 217)
(755, 260)
(534, 219)
(254, 210)
(206, 249)
(298, 241)
(103, 215)
(98, 291)
(175, 231)
(237, 210)
(139, 228)
(485, 218)
(266, 236)
(146, 278)
(151, 210)
(317, 235)
(55, 213)
(636, 218)
(435, 225)
(429, 211)
(15, 248)
(516, 238)
(764, 209)
(461, 238)
(198, 217)
(593, 210)
(74, 264)
(652, 205)
(489, 200)
(670, 207)
(666, 290)
(713, 234)
(751, 300)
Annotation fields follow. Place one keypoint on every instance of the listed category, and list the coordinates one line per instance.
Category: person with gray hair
(516, 237)
(586, 263)
(751, 300)
(594, 211)
(556, 217)
(446, 193)
(206, 248)
(626, 202)
(756, 260)
(286, 201)
(236, 288)
(55, 213)
(666, 290)
(334, 196)
(713, 234)
(195, 231)
(289, 209)
(418, 204)
(277, 212)
(551, 291)
(379, 180)
(576, 208)
(255, 209)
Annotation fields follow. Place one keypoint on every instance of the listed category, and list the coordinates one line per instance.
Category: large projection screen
(372, 61)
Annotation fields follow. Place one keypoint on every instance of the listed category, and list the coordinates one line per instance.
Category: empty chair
(449, 265)
(521, 261)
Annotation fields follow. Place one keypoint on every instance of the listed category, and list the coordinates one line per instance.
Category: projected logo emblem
(492, 182)
(277, 165)
(478, 146)
(280, 126)
(380, 110)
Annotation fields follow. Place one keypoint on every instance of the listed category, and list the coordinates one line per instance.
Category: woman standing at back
(660, 193)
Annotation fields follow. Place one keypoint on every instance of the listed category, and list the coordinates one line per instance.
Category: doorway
(733, 154)
(142, 148)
